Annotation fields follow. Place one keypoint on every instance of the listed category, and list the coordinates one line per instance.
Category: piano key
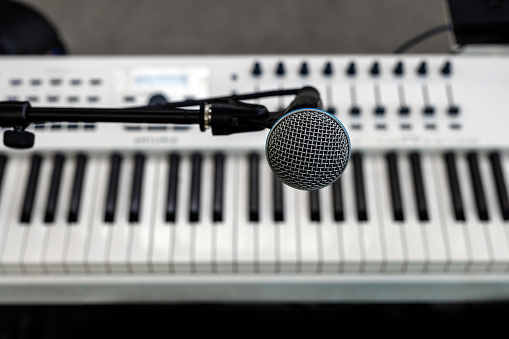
(202, 242)
(390, 229)
(31, 189)
(495, 229)
(141, 233)
(137, 184)
(413, 231)
(314, 205)
(80, 234)
(194, 202)
(56, 177)
(111, 200)
(245, 230)
(351, 252)
(181, 237)
(12, 232)
(337, 198)
(54, 253)
(308, 236)
(171, 197)
(97, 249)
(500, 184)
(254, 186)
(360, 196)
(37, 232)
(454, 186)
(223, 234)
(266, 240)
(482, 208)
(328, 234)
(3, 163)
(277, 193)
(118, 241)
(217, 210)
(420, 194)
(393, 175)
(77, 188)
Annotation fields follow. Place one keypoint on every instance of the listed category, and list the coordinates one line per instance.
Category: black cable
(421, 37)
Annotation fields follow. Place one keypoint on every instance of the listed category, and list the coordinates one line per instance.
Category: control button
(423, 68)
(304, 69)
(446, 68)
(453, 110)
(399, 69)
(375, 69)
(379, 110)
(355, 110)
(429, 110)
(280, 70)
(257, 69)
(404, 110)
(157, 99)
(351, 69)
(328, 70)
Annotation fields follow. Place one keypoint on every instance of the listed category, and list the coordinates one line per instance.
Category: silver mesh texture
(308, 149)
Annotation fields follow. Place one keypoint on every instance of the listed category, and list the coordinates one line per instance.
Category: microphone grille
(308, 149)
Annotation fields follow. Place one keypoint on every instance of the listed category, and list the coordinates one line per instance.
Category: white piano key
(328, 233)
(78, 234)
(413, 233)
(370, 234)
(12, 200)
(223, 233)
(351, 253)
(440, 251)
(38, 231)
(497, 227)
(99, 240)
(118, 247)
(202, 260)
(390, 230)
(161, 241)
(309, 248)
(140, 233)
(180, 259)
(266, 258)
(245, 230)
(287, 234)
(475, 230)
(54, 253)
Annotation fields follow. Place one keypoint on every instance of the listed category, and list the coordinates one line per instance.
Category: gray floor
(168, 27)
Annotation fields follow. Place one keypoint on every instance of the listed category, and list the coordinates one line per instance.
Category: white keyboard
(139, 212)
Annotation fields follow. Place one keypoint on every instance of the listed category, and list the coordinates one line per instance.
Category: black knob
(423, 68)
(157, 99)
(257, 69)
(280, 70)
(304, 69)
(447, 68)
(351, 70)
(399, 69)
(328, 70)
(19, 139)
(375, 69)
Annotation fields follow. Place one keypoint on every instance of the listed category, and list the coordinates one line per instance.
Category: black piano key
(56, 177)
(475, 175)
(498, 174)
(314, 205)
(111, 198)
(194, 202)
(454, 186)
(360, 194)
(420, 194)
(278, 199)
(3, 163)
(81, 161)
(218, 198)
(337, 200)
(135, 206)
(31, 188)
(397, 200)
(171, 197)
(254, 187)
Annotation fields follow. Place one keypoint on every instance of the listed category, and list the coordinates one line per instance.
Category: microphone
(308, 148)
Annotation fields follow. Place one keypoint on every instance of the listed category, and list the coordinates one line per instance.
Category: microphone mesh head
(308, 149)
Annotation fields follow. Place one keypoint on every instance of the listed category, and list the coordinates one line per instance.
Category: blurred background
(167, 27)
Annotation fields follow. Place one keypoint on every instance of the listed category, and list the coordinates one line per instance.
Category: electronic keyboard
(100, 212)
